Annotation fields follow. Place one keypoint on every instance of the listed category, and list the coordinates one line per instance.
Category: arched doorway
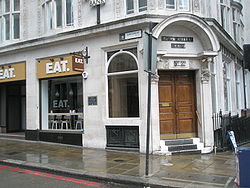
(184, 43)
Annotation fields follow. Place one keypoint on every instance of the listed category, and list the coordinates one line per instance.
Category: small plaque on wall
(92, 101)
(130, 35)
(179, 64)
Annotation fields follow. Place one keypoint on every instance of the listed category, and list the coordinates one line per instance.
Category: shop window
(62, 103)
(57, 14)
(183, 5)
(133, 6)
(123, 97)
(9, 19)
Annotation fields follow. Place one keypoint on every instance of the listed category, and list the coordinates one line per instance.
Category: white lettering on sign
(60, 66)
(7, 73)
(60, 104)
(131, 35)
(79, 60)
(96, 2)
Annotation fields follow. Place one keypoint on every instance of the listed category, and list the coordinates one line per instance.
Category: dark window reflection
(65, 95)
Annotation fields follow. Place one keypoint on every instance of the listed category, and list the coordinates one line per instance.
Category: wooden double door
(177, 104)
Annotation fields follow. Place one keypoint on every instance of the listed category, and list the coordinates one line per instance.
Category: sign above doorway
(179, 64)
(12, 72)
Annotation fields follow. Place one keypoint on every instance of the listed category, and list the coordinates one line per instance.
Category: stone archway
(203, 45)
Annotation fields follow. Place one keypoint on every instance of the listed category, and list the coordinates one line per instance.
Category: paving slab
(196, 170)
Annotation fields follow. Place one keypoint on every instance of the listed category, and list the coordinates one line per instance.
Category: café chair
(79, 123)
(65, 123)
(56, 122)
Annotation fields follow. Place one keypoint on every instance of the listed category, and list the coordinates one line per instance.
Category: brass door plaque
(165, 104)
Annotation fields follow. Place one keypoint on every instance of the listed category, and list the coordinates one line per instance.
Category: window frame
(46, 98)
(228, 82)
(238, 87)
(53, 25)
(177, 6)
(136, 7)
(108, 61)
(9, 33)
(225, 15)
(236, 23)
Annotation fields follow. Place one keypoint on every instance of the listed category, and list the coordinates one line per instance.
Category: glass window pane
(233, 13)
(123, 95)
(142, 5)
(59, 13)
(49, 15)
(131, 50)
(1, 28)
(235, 31)
(16, 26)
(65, 94)
(1, 7)
(122, 62)
(130, 6)
(184, 5)
(69, 12)
(7, 27)
(170, 4)
(16, 5)
(213, 92)
(62, 103)
(7, 6)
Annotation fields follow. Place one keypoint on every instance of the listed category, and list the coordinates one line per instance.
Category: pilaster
(206, 99)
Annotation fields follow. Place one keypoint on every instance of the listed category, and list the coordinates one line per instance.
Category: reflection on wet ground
(208, 170)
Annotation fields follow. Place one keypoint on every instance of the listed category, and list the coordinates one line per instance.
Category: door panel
(13, 108)
(177, 104)
(167, 106)
(167, 127)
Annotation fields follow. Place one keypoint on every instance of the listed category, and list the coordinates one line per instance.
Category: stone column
(206, 104)
(155, 121)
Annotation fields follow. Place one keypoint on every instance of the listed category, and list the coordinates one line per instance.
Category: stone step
(186, 152)
(12, 136)
(178, 142)
(182, 147)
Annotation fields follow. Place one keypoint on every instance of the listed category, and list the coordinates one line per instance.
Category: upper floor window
(58, 13)
(179, 4)
(133, 6)
(225, 14)
(237, 27)
(238, 86)
(9, 19)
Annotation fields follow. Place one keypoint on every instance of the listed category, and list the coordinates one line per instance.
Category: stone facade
(199, 23)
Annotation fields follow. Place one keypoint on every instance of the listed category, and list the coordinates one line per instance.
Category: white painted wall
(246, 16)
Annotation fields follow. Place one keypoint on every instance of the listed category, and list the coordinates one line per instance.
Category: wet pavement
(194, 171)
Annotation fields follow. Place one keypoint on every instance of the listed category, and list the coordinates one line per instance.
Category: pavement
(188, 171)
